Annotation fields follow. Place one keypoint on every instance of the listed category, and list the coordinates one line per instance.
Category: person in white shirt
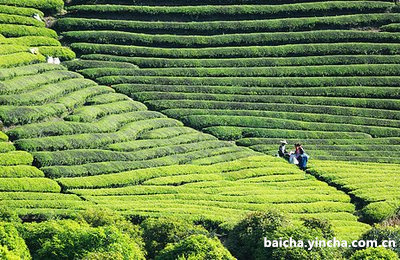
(282, 149)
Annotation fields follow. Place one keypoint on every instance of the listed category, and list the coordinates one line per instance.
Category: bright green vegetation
(19, 28)
(374, 186)
(221, 192)
(170, 112)
(253, 73)
(26, 190)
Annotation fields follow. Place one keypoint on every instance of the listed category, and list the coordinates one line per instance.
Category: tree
(196, 247)
(248, 235)
(157, 233)
(375, 253)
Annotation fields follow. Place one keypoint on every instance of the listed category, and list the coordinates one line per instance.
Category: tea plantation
(171, 109)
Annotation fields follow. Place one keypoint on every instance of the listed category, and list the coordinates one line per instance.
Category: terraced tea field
(176, 109)
(254, 72)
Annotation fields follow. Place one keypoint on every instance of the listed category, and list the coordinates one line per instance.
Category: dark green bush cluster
(246, 240)
(241, 52)
(247, 62)
(276, 38)
(235, 12)
(47, 6)
(219, 27)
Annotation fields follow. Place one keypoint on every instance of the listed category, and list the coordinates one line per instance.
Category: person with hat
(282, 150)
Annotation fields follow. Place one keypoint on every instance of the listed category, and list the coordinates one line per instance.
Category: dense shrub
(247, 62)
(379, 211)
(381, 233)
(13, 30)
(5, 9)
(371, 253)
(234, 12)
(220, 27)
(48, 6)
(276, 38)
(157, 233)
(247, 236)
(63, 53)
(195, 247)
(67, 239)
(12, 246)
(241, 52)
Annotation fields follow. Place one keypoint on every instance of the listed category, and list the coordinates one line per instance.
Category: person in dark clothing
(301, 156)
(282, 152)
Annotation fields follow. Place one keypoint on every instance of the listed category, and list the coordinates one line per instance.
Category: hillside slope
(322, 73)
(108, 151)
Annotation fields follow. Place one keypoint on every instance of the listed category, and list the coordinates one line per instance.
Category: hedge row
(28, 70)
(29, 114)
(32, 41)
(326, 36)
(29, 184)
(146, 144)
(221, 27)
(224, 157)
(46, 93)
(20, 171)
(235, 133)
(232, 12)
(375, 176)
(24, 83)
(84, 156)
(394, 27)
(126, 133)
(109, 123)
(120, 166)
(203, 121)
(3, 137)
(245, 62)
(84, 64)
(334, 154)
(306, 117)
(191, 178)
(47, 6)
(15, 158)
(388, 104)
(301, 108)
(91, 113)
(38, 196)
(10, 49)
(106, 98)
(20, 59)
(296, 82)
(194, 2)
(293, 71)
(241, 52)
(6, 147)
(356, 91)
(331, 142)
(17, 19)
(169, 132)
(63, 53)
(5, 9)
(78, 98)
(12, 30)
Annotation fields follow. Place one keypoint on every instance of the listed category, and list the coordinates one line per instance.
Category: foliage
(247, 236)
(157, 233)
(371, 253)
(12, 245)
(196, 247)
(67, 239)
